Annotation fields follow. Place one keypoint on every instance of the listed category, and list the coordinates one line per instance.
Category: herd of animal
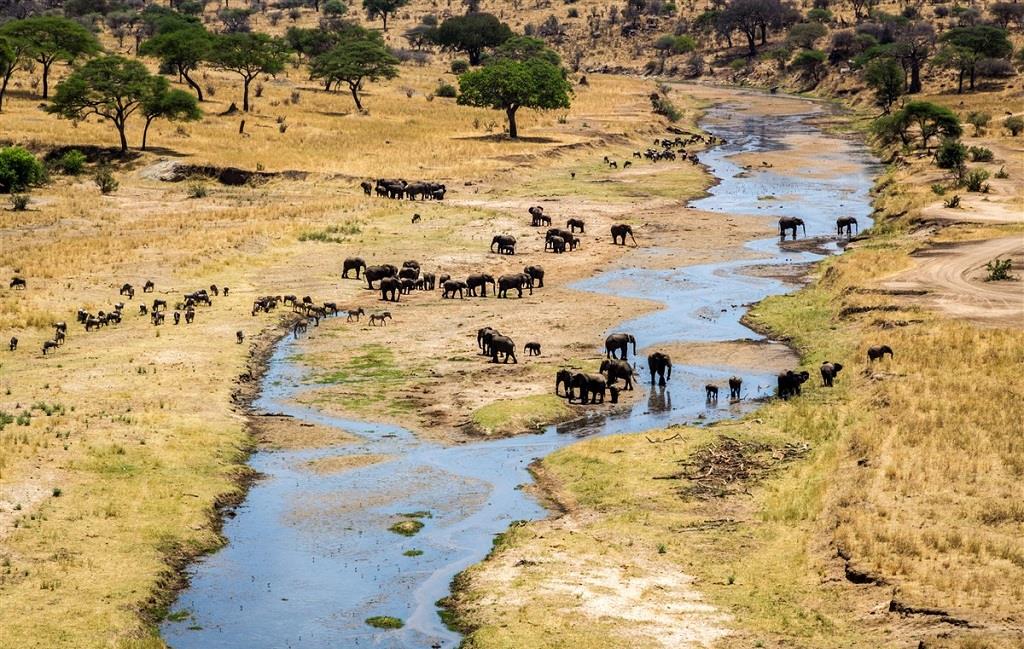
(398, 188)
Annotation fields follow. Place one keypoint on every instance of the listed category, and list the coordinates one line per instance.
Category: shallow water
(309, 556)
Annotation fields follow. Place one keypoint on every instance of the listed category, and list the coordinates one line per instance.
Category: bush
(999, 270)
(19, 170)
(445, 90)
(979, 121)
(804, 35)
(975, 180)
(662, 106)
(19, 202)
(460, 66)
(952, 155)
(952, 202)
(196, 189)
(105, 180)
(980, 154)
(820, 15)
(938, 189)
(72, 163)
(334, 8)
(1014, 124)
(993, 68)
(1002, 174)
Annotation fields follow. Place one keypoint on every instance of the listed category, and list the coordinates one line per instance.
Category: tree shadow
(501, 137)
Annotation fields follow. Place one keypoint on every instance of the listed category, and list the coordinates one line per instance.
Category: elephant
(409, 272)
(711, 393)
(503, 345)
(239, 337)
(442, 278)
(367, 187)
(660, 364)
(506, 244)
(480, 281)
(589, 384)
(531, 349)
(453, 286)
(407, 285)
(790, 382)
(829, 372)
(556, 232)
(392, 188)
(564, 377)
(557, 244)
(878, 352)
(421, 189)
(429, 281)
(847, 223)
(620, 342)
(390, 288)
(352, 263)
(536, 273)
(411, 263)
(376, 273)
(483, 339)
(615, 370)
(575, 224)
(735, 383)
(790, 223)
(619, 231)
(516, 282)
(538, 217)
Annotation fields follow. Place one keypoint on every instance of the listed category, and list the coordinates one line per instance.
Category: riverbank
(874, 513)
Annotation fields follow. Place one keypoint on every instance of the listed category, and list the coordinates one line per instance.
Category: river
(309, 556)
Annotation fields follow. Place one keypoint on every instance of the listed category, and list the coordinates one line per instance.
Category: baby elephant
(878, 352)
(13, 344)
(532, 349)
(711, 393)
(829, 372)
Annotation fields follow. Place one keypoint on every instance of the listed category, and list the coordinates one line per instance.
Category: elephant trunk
(804, 226)
(633, 340)
(669, 375)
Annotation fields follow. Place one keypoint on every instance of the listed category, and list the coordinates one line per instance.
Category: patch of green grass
(375, 365)
(412, 553)
(333, 233)
(406, 528)
(419, 514)
(179, 616)
(385, 622)
(510, 416)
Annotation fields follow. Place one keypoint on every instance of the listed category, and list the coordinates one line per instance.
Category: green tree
(472, 34)
(964, 47)
(811, 63)
(50, 39)
(249, 55)
(669, 45)
(183, 50)
(12, 53)
(805, 35)
(382, 9)
(509, 85)
(886, 77)
(111, 87)
(931, 120)
(952, 155)
(354, 61)
(163, 102)
(522, 48)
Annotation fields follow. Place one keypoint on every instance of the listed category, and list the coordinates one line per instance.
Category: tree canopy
(471, 34)
(115, 88)
(183, 50)
(355, 60)
(249, 55)
(49, 39)
(382, 9)
(507, 84)
(963, 48)
(885, 76)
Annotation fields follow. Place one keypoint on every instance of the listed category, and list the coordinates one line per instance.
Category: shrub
(975, 180)
(951, 155)
(446, 90)
(19, 202)
(979, 121)
(993, 68)
(999, 270)
(804, 35)
(938, 189)
(1014, 124)
(664, 107)
(105, 180)
(459, 66)
(72, 163)
(196, 189)
(819, 15)
(19, 170)
(980, 154)
(1002, 174)
(952, 202)
(334, 8)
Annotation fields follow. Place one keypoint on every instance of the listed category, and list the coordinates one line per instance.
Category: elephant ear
(838, 366)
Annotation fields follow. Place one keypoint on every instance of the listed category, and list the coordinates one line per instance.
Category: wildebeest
(49, 345)
(148, 287)
(127, 290)
(239, 336)
(158, 304)
(13, 344)
(19, 283)
(190, 315)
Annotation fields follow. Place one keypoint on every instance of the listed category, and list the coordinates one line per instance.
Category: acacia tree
(353, 61)
(964, 47)
(12, 54)
(931, 120)
(471, 34)
(508, 85)
(171, 104)
(382, 9)
(49, 39)
(114, 88)
(249, 55)
(669, 44)
(751, 18)
(885, 76)
(183, 50)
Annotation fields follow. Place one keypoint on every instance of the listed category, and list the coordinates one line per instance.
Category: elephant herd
(393, 282)
(844, 225)
(398, 188)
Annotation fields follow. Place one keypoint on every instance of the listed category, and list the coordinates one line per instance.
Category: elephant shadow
(659, 399)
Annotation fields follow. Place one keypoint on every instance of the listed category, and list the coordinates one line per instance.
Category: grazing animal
(617, 369)
(515, 282)
(300, 328)
(352, 263)
(829, 372)
(790, 382)
(619, 343)
(19, 283)
(353, 314)
(557, 244)
(660, 364)
(847, 223)
(415, 218)
(483, 339)
(575, 224)
(444, 277)
(636, 154)
(711, 393)
(239, 337)
(480, 281)
(156, 316)
(61, 326)
(214, 290)
(735, 383)
(13, 344)
(149, 286)
(367, 187)
(49, 345)
(376, 273)
(589, 384)
(177, 317)
(225, 291)
(127, 289)
(531, 349)
(619, 231)
(613, 164)
(390, 289)
(59, 337)
(158, 305)
(878, 352)
(190, 315)
(627, 163)
(381, 318)
(572, 174)
(143, 310)
(537, 216)
(564, 377)
(451, 287)
(506, 244)
(536, 273)
(790, 223)
(503, 345)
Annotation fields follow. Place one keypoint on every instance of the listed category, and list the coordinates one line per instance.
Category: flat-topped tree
(182, 50)
(355, 60)
(49, 39)
(471, 34)
(382, 9)
(963, 48)
(249, 55)
(115, 88)
(508, 84)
